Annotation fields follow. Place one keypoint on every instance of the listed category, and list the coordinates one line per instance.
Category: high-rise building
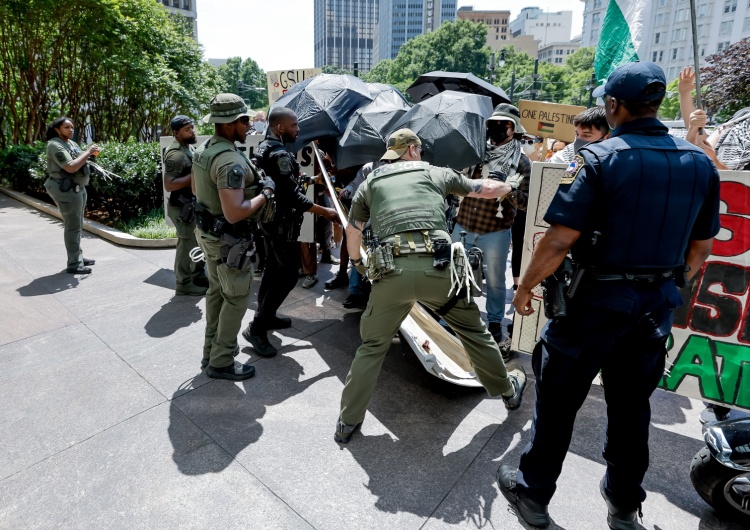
(345, 33)
(187, 9)
(546, 27)
(668, 39)
(498, 32)
(557, 52)
(402, 20)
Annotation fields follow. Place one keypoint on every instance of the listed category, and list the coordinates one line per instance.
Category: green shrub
(15, 162)
(150, 225)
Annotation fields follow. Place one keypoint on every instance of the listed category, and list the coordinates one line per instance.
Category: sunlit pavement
(107, 421)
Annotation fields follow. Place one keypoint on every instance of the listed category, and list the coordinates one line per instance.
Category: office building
(668, 37)
(345, 33)
(557, 52)
(187, 9)
(544, 26)
(402, 20)
(498, 31)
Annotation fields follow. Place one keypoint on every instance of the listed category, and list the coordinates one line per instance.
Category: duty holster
(555, 290)
(67, 183)
(238, 254)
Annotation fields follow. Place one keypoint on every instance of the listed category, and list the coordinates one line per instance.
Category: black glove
(268, 183)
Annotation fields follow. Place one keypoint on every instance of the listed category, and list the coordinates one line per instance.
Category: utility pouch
(187, 213)
(238, 254)
(67, 184)
(476, 262)
(441, 253)
(554, 289)
(379, 260)
(269, 211)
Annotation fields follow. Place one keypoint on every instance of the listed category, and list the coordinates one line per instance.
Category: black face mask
(497, 132)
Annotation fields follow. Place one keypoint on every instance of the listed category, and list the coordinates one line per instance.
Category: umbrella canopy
(364, 139)
(451, 126)
(433, 83)
(324, 104)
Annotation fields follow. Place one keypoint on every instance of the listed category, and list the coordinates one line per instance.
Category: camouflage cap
(508, 112)
(399, 142)
(225, 108)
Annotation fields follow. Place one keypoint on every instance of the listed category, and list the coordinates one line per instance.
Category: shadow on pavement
(53, 283)
(162, 278)
(179, 312)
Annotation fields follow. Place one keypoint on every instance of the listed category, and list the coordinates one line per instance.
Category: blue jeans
(495, 247)
(356, 281)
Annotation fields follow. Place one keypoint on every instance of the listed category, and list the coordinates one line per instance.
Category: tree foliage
(121, 67)
(727, 79)
(246, 79)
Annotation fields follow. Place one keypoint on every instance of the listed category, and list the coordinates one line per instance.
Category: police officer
(635, 210)
(281, 233)
(68, 178)
(404, 201)
(230, 190)
(178, 163)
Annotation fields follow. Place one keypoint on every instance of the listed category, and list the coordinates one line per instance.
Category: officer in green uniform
(230, 191)
(404, 201)
(68, 178)
(178, 163)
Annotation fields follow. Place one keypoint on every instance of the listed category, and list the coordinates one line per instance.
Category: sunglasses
(527, 142)
(245, 120)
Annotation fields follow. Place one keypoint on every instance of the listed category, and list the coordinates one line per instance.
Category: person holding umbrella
(404, 201)
(488, 224)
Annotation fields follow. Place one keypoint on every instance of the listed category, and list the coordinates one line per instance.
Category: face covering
(578, 143)
(528, 149)
(259, 126)
(498, 132)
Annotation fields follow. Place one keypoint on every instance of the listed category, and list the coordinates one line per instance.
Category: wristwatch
(355, 262)
(267, 194)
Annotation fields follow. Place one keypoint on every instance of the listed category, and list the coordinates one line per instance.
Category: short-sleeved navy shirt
(645, 191)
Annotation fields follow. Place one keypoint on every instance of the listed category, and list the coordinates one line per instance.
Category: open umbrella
(451, 126)
(364, 139)
(433, 83)
(324, 104)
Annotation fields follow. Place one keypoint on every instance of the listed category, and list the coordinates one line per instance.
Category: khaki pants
(185, 269)
(226, 304)
(415, 279)
(71, 206)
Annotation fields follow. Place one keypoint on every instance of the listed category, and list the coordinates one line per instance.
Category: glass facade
(402, 20)
(345, 33)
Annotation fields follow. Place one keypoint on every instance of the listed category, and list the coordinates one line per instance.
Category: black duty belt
(630, 277)
(217, 225)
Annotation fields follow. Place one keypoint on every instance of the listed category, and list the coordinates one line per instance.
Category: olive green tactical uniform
(403, 200)
(178, 162)
(218, 164)
(70, 203)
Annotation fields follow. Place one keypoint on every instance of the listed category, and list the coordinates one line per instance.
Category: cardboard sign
(305, 157)
(549, 120)
(709, 347)
(280, 81)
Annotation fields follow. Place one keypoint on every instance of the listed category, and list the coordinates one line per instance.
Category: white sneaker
(309, 281)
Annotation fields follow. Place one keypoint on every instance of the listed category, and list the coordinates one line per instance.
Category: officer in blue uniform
(636, 211)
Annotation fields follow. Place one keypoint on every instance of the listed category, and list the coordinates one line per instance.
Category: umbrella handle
(329, 184)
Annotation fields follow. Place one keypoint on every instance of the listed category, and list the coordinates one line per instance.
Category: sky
(278, 34)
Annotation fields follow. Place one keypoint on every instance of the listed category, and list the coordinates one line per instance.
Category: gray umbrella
(451, 126)
(433, 83)
(324, 104)
(364, 139)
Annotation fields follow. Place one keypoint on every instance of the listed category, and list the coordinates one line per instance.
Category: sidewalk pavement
(107, 421)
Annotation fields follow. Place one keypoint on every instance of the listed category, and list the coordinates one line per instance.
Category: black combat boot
(617, 518)
(530, 511)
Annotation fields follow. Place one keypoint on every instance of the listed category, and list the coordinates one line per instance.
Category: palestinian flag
(623, 35)
(543, 126)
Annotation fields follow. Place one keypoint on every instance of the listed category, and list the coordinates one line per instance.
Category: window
(175, 3)
(674, 53)
(659, 20)
(679, 34)
(186, 5)
(558, 60)
(595, 19)
(657, 38)
(558, 52)
(726, 27)
(701, 10)
(657, 56)
(746, 27)
(730, 6)
(594, 34)
(680, 15)
(722, 46)
(597, 3)
(661, 3)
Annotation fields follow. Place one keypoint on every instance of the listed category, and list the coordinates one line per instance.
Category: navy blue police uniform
(648, 194)
(279, 235)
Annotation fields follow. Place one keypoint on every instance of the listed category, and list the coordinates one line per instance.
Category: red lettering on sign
(737, 198)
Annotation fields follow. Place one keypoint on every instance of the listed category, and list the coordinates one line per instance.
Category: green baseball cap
(399, 142)
(225, 108)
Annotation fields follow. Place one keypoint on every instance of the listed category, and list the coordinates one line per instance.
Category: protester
(259, 123)
(230, 191)
(487, 222)
(404, 202)
(619, 319)
(68, 178)
(590, 126)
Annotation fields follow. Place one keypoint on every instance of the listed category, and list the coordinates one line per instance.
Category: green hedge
(136, 190)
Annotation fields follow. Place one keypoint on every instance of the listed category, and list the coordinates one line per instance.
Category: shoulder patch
(236, 177)
(572, 172)
(61, 157)
(285, 166)
(169, 165)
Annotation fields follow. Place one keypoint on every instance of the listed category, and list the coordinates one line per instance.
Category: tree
(246, 79)
(727, 79)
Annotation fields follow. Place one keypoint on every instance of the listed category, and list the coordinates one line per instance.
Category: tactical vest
(80, 177)
(266, 152)
(403, 198)
(206, 190)
(185, 193)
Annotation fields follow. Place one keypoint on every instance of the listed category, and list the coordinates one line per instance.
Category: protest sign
(280, 81)
(709, 347)
(549, 120)
(305, 157)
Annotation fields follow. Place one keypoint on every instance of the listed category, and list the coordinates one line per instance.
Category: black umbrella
(433, 83)
(451, 126)
(324, 104)
(364, 139)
